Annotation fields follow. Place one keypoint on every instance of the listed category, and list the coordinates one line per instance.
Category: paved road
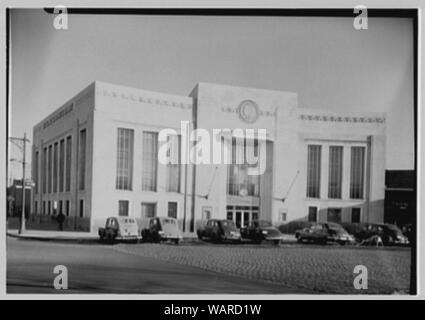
(103, 269)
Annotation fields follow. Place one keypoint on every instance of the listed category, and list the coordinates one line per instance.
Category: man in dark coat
(60, 219)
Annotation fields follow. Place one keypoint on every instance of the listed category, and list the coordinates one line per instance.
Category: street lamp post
(23, 149)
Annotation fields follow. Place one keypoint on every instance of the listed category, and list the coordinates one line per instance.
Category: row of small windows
(125, 155)
(334, 214)
(335, 181)
(62, 207)
(56, 163)
(148, 209)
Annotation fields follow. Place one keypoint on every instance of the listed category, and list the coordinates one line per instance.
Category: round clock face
(243, 192)
(248, 111)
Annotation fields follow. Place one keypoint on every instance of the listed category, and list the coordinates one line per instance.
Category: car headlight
(264, 232)
(160, 232)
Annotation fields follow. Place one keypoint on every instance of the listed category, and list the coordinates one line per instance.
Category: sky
(326, 61)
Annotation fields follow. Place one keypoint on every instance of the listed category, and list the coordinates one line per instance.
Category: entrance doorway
(242, 215)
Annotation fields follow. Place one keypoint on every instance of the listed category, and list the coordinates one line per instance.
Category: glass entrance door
(238, 220)
(242, 215)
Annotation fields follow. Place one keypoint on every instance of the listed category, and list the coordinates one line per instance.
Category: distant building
(14, 199)
(400, 197)
(97, 156)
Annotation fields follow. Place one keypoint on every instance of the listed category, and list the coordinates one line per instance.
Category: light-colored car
(120, 229)
(162, 229)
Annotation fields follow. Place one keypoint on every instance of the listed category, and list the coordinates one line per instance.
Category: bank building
(97, 156)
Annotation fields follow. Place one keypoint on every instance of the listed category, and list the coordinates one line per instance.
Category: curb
(53, 239)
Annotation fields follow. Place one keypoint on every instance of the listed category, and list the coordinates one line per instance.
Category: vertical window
(44, 171)
(357, 172)
(334, 215)
(68, 164)
(172, 210)
(173, 165)
(206, 213)
(124, 173)
(312, 214)
(81, 208)
(82, 160)
(60, 206)
(149, 161)
(49, 207)
(335, 172)
(282, 217)
(67, 207)
(35, 207)
(61, 164)
(148, 210)
(36, 161)
(355, 215)
(55, 167)
(229, 215)
(49, 173)
(252, 150)
(44, 207)
(123, 208)
(238, 179)
(314, 155)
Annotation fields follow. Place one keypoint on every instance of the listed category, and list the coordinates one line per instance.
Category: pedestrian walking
(60, 219)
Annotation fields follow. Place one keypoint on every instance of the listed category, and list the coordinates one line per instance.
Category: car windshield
(264, 224)
(228, 224)
(169, 221)
(336, 227)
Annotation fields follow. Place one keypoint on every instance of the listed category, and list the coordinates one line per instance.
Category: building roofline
(99, 84)
(199, 84)
(89, 87)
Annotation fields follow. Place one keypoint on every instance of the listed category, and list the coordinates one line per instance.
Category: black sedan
(389, 233)
(325, 232)
(220, 230)
(261, 230)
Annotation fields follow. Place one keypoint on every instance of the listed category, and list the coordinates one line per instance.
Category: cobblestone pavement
(321, 269)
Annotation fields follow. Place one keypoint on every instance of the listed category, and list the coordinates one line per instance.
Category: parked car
(120, 228)
(324, 233)
(162, 229)
(389, 233)
(261, 230)
(220, 230)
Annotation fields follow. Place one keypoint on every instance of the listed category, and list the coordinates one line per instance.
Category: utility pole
(23, 149)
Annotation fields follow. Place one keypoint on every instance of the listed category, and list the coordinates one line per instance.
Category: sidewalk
(54, 235)
(87, 237)
(48, 235)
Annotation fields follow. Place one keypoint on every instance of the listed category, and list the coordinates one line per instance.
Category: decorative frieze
(145, 99)
(62, 113)
(236, 110)
(332, 118)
